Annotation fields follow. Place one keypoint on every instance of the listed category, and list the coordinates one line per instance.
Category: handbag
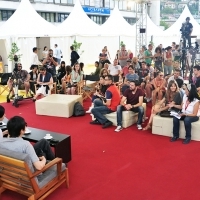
(165, 113)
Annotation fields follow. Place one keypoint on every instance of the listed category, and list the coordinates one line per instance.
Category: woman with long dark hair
(158, 58)
(190, 114)
(66, 79)
(61, 71)
(76, 77)
(171, 100)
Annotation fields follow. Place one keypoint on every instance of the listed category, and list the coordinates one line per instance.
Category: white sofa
(164, 126)
(57, 105)
(128, 117)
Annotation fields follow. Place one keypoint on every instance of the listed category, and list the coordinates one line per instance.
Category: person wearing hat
(168, 58)
(186, 31)
(190, 113)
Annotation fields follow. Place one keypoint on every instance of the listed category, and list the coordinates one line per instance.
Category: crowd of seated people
(166, 91)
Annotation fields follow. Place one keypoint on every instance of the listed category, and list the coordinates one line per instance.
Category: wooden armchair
(17, 174)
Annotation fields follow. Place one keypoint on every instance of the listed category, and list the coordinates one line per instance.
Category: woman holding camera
(190, 114)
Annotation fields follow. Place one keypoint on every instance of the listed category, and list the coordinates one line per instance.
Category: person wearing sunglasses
(22, 76)
(156, 88)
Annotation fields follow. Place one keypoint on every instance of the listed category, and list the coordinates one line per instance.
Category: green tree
(162, 23)
(168, 11)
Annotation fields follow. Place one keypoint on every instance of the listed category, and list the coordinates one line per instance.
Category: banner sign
(103, 11)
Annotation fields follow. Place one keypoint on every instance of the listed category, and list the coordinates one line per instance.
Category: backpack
(78, 109)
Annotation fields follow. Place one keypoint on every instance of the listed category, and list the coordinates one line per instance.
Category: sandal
(148, 127)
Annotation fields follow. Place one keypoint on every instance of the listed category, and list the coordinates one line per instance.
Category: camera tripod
(17, 98)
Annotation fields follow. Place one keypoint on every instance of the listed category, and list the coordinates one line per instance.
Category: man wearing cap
(186, 30)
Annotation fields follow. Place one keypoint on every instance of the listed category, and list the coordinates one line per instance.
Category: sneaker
(139, 127)
(118, 129)
(89, 110)
(107, 124)
(95, 122)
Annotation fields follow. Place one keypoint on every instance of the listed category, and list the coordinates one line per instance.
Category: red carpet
(129, 165)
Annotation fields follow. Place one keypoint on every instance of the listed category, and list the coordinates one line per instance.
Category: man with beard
(132, 100)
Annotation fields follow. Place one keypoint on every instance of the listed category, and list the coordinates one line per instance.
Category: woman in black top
(158, 58)
(61, 71)
(33, 77)
(171, 101)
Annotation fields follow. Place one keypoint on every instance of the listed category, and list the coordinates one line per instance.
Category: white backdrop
(26, 48)
(64, 44)
(93, 46)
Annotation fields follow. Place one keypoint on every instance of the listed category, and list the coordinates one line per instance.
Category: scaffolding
(141, 24)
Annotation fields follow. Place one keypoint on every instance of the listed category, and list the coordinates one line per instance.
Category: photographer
(51, 63)
(186, 31)
(22, 77)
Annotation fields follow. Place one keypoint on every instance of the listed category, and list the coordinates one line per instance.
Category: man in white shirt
(57, 53)
(34, 57)
(114, 69)
(175, 76)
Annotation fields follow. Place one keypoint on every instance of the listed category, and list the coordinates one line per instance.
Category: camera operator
(186, 31)
(51, 63)
(22, 77)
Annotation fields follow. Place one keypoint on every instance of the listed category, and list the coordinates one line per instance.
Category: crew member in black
(186, 30)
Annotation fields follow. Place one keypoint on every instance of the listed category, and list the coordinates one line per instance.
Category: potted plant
(13, 56)
(77, 46)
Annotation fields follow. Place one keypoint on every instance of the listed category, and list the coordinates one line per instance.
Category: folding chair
(3, 83)
(88, 88)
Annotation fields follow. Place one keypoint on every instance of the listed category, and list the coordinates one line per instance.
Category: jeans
(187, 124)
(167, 70)
(42, 147)
(94, 97)
(58, 60)
(139, 110)
(100, 110)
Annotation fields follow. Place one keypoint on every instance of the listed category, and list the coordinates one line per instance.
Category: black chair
(3, 84)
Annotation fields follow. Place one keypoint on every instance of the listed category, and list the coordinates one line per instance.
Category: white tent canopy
(174, 30)
(26, 22)
(78, 23)
(117, 25)
(153, 29)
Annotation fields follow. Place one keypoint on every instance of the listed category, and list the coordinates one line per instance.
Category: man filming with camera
(21, 77)
(186, 31)
(51, 63)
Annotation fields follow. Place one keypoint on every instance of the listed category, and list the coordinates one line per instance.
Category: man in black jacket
(74, 56)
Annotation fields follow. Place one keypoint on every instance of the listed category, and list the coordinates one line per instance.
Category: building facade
(56, 11)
